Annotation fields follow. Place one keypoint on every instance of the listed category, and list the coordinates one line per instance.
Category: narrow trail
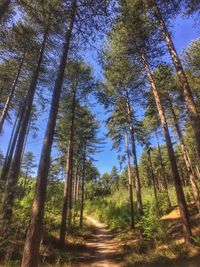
(102, 250)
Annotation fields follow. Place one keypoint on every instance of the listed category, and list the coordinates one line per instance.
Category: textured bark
(134, 155)
(67, 201)
(198, 172)
(153, 181)
(164, 178)
(33, 237)
(15, 166)
(4, 8)
(8, 101)
(23, 151)
(8, 160)
(184, 84)
(130, 184)
(83, 187)
(177, 181)
(75, 189)
(186, 157)
(12, 144)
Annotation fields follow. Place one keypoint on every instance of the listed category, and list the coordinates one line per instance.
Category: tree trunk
(130, 185)
(4, 8)
(11, 148)
(177, 181)
(67, 201)
(75, 190)
(15, 166)
(134, 155)
(198, 172)
(8, 159)
(165, 183)
(184, 84)
(153, 181)
(83, 187)
(23, 151)
(33, 237)
(186, 157)
(8, 101)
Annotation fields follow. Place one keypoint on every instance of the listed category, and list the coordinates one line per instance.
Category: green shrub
(113, 210)
(152, 227)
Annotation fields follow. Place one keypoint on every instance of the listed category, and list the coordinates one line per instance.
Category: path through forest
(102, 249)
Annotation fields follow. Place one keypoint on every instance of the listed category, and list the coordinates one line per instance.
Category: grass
(170, 250)
(160, 241)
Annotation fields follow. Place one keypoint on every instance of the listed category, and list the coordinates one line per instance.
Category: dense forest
(61, 60)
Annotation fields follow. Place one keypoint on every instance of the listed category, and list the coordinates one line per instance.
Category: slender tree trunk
(25, 141)
(8, 101)
(33, 237)
(83, 187)
(177, 181)
(186, 157)
(15, 166)
(77, 187)
(23, 151)
(198, 172)
(153, 181)
(70, 198)
(67, 201)
(75, 190)
(8, 159)
(4, 8)
(184, 84)
(130, 185)
(13, 132)
(165, 183)
(11, 146)
(134, 155)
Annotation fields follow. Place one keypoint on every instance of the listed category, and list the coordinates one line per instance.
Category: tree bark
(67, 201)
(165, 183)
(184, 84)
(83, 187)
(134, 155)
(198, 172)
(11, 147)
(75, 189)
(4, 9)
(15, 166)
(10, 152)
(153, 181)
(23, 151)
(8, 101)
(177, 181)
(130, 184)
(8, 160)
(186, 157)
(33, 237)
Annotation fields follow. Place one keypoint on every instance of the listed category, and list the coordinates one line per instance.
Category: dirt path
(101, 249)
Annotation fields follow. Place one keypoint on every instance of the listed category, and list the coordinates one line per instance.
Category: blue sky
(184, 31)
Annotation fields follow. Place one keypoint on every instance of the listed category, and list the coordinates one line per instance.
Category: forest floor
(98, 246)
(170, 251)
(95, 245)
(110, 248)
(102, 248)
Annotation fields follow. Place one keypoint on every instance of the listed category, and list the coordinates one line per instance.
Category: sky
(184, 31)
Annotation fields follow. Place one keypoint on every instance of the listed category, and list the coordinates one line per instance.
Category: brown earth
(102, 248)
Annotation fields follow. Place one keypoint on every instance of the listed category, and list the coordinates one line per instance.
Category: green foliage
(153, 228)
(24, 202)
(163, 201)
(113, 210)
